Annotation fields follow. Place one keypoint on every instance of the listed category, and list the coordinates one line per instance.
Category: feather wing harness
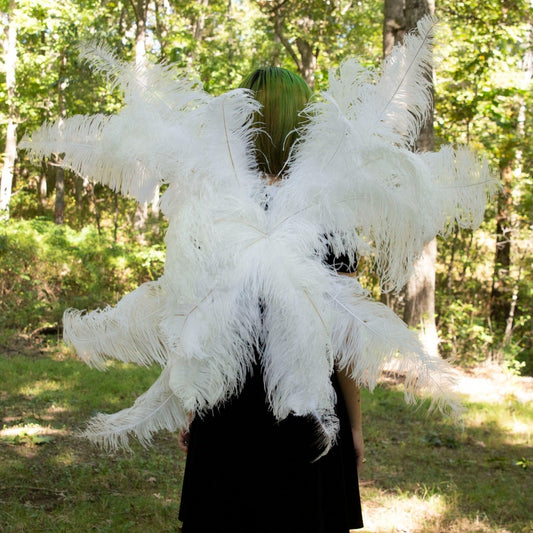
(236, 272)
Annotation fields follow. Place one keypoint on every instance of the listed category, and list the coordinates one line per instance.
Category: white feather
(153, 411)
(371, 338)
(355, 174)
(169, 129)
(128, 332)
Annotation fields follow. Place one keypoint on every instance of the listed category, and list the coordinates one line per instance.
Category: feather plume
(156, 409)
(403, 93)
(354, 172)
(128, 332)
(158, 85)
(372, 339)
(169, 129)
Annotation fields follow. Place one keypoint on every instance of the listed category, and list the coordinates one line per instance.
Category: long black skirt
(246, 472)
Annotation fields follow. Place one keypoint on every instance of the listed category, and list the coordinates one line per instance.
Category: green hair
(282, 95)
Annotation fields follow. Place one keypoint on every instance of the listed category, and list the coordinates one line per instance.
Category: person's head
(282, 95)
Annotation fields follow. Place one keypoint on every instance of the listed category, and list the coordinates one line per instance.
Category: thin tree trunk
(140, 8)
(231, 42)
(393, 24)
(509, 323)
(199, 23)
(500, 292)
(115, 219)
(43, 187)
(59, 207)
(10, 153)
(308, 55)
(400, 17)
(305, 54)
(505, 289)
(198, 26)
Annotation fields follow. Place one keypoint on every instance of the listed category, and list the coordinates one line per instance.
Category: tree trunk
(199, 22)
(10, 153)
(400, 17)
(197, 30)
(59, 206)
(393, 24)
(305, 54)
(308, 58)
(140, 8)
(43, 186)
(506, 275)
(500, 301)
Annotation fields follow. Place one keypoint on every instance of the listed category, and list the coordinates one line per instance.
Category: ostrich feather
(246, 286)
(403, 94)
(166, 90)
(168, 129)
(128, 332)
(153, 411)
(354, 172)
(372, 339)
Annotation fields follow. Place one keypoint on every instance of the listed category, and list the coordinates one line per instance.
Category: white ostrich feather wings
(238, 275)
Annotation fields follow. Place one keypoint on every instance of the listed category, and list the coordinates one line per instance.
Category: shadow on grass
(482, 470)
(67, 485)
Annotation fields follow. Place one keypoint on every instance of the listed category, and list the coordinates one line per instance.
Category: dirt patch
(40, 497)
(490, 383)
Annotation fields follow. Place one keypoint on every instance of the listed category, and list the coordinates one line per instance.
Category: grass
(433, 476)
(422, 474)
(51, 480)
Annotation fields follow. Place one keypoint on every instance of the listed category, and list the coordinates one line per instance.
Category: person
(245, 471)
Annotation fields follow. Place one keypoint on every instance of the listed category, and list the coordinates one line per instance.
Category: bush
(45, 268)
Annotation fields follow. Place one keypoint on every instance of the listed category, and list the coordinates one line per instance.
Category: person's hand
(359, 445)
(183, 440)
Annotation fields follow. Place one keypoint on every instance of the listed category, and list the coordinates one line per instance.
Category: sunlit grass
(392, 512)
(425, 474)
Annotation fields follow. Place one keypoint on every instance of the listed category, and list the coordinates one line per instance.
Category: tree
(400, 17)
(10, 154)
(140, 10)
(484, 99)
(59, 206)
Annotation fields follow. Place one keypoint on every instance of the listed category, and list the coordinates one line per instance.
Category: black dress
(247, 472)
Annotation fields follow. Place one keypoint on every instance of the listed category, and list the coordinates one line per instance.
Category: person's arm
(352, 399)
(184, 436)
(183, 440)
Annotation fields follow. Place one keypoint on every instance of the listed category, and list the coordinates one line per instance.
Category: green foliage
(483, 98)
(45, 268)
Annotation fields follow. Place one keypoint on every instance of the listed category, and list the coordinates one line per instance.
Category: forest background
(65, 240)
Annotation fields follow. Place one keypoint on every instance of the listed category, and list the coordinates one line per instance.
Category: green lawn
(422, 474)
